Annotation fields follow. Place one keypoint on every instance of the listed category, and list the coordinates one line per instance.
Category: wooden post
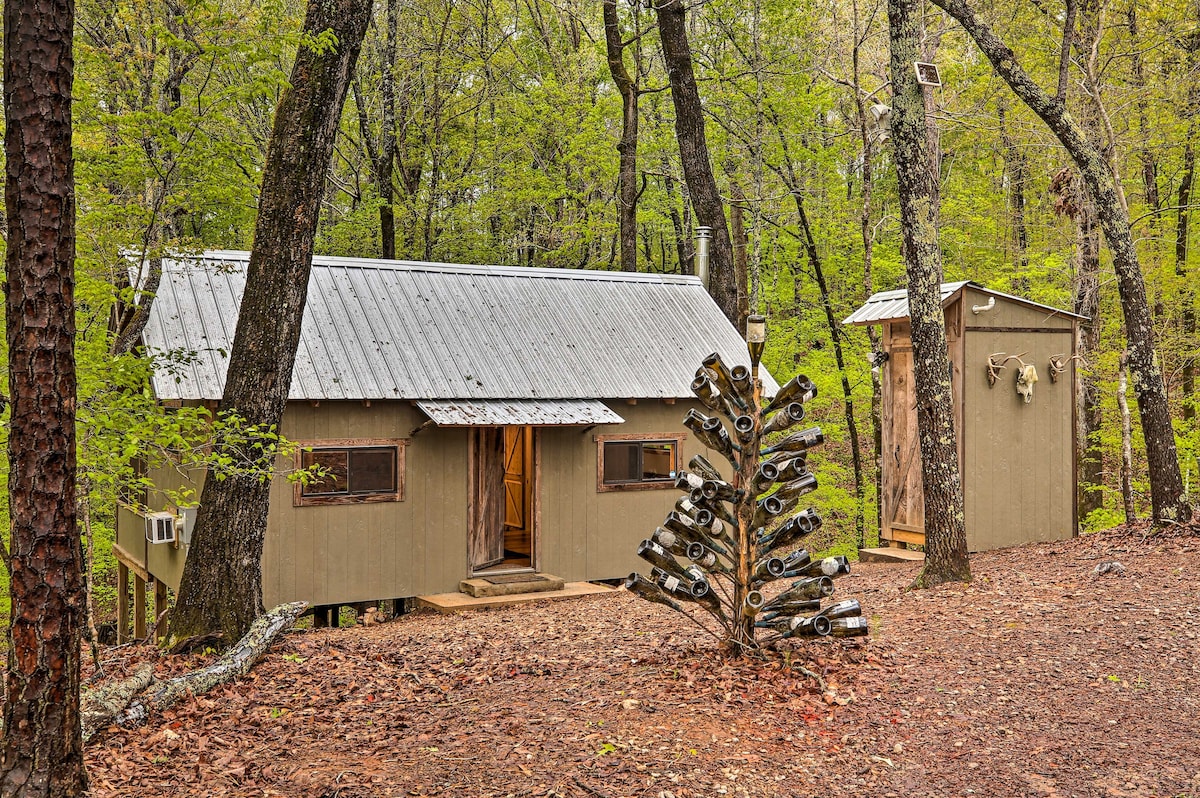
(160, 606)
(122, 603)
(139, 607)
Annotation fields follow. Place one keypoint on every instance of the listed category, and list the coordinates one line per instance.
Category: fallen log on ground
(131, 701)
(98, 707)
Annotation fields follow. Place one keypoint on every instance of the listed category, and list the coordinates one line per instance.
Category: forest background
(487, 132)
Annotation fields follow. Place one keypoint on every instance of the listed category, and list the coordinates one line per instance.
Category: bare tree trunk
(387, 136)
(1087, 303)
(1188, 293)
(627, 193)
(221, 589)
(1166, 482)
(1126, 441)
(945, 531)
(42, 751)
(1016, 169)
(693, 153)
(1145, 153)
(835, 333)
(741, 272)
(866, 231)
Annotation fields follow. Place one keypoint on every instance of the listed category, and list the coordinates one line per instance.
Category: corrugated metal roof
(534, 412)
(406, 330)
(893, 305)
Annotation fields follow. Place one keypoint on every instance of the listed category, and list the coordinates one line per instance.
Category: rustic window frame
(399, 444)
(675, 438)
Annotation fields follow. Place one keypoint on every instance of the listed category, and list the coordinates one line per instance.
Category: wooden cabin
(1018, 457)
(472, 420)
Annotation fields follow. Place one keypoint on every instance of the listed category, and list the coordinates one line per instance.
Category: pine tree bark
(627, 193)
(693, 153)
(1166, 482)
(221, 589)
(42, 749)
(945, 530)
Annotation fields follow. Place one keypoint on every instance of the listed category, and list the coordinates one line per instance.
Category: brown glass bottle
(719, 373)
(786, 417)
(640, 585)
(800, 441)
(830, 566)
(798, 389)
(791, 530)
(767, 569)
(706, 558)
(848, 627)
(764, 478)
(719, 490)
(817, 587)
(700, 465)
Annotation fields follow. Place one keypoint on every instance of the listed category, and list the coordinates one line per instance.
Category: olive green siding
(585, 534)
(1019, 473)
(1017, 459)
(340, 554)
(1008, 313)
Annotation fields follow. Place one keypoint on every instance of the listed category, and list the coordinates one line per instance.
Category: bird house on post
(1016, 443)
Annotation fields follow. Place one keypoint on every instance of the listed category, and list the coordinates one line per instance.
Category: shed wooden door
(485, 535)
(903, 501)
(518, 446)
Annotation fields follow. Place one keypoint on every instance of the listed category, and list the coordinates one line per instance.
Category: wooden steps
(484, 586)
(457, 602)
(890, 555)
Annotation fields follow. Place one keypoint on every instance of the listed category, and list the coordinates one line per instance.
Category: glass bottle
(643, 587)
(788, 416)
(798, 388)
(800, 441)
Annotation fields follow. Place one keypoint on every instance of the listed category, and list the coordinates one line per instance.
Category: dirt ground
(1039, 678)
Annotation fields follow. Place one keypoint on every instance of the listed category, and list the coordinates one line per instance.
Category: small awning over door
(518, 412)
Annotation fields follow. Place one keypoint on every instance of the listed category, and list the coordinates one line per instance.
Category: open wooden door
(903, 499)
(518, 495)
(485, 535)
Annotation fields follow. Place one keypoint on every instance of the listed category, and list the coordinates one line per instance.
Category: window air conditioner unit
(160, 528)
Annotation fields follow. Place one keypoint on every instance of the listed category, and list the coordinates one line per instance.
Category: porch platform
(890, 555)
(457, 602)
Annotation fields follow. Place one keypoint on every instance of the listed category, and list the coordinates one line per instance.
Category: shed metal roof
(893, 305)
(505, 412)
(407, 330)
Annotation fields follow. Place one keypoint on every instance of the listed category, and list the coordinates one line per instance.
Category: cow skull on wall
(1026, 373)
(1026, 377)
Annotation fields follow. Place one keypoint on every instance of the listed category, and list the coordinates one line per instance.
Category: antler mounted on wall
(996, 363)
(1058, 364)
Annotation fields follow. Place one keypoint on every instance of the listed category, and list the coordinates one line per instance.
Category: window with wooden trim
(351, 472)
(637, 462)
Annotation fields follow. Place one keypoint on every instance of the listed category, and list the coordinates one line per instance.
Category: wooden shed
(1018, 457)
(473, 420)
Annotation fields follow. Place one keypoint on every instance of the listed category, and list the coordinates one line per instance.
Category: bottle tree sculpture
(727, 539)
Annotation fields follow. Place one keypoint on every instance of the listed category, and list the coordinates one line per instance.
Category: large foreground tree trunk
(42, 751)
(221, 588)
(945, 531)
(693, 153)
(1166, 483)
